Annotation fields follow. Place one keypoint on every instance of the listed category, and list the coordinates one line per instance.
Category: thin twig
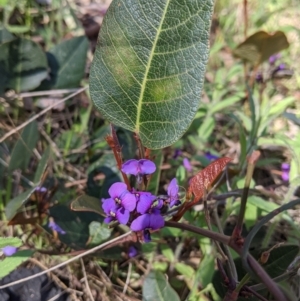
(231, 266)
(48, 92)
(207, 218)
(55, 278)
(21, 126)
(86, 280)
(127, 278)
(121, 239)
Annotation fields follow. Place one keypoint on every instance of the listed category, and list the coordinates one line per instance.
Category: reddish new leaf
(200, 183)
(204, 179)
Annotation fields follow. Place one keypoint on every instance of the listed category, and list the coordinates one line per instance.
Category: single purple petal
(173, 188)
(174, 202)
(273, 58)
(132, 252)
(140, 223)
(285, 176)
(109, 205)
(146, 167)
(131, 167)
(187, 165)
(210, 156)
(128, 201)
(9, 250)
(145, 202)
(117, 189)
(177, 153)
(52, 225)
(285, 166)
(109, 219)
(279, 68)
(159, 204)
(156, 221)
(147, 236)
(122, 216)
(259, 79)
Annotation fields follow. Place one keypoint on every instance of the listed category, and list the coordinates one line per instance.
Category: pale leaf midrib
(143, 85)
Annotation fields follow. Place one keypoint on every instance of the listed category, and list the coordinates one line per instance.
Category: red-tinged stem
(245, 9)
(140, 146)
(114, 144)
(207, 233)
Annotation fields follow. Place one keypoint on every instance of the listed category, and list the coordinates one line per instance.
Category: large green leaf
(148, 69)
(23, 148)
(156, 287)
(23, 65)
(68, 60)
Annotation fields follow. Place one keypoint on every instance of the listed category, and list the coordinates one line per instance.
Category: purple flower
(187, 165)
(52, 225)
(132, 252)
(148, 221)
(210, 156)
(177, 153)
(285, 168)
(173, 190)
(138, 167)
(9, 250)
(41, 189)
(121, 196)
(145, 201)
(279, 68)
(120, 203)
(259, 78)
(115, 212)
(273, 58)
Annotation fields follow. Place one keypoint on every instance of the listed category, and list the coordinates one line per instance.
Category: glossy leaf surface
(149, 65)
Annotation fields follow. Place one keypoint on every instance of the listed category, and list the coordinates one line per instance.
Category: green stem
(244, 281)
(260, 272)
(250, 169)
(256, 228)
(231, 267)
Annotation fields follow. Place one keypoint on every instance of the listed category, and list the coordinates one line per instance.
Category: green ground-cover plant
(147, 79)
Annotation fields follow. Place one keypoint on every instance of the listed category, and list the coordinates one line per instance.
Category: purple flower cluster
(138, 209)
